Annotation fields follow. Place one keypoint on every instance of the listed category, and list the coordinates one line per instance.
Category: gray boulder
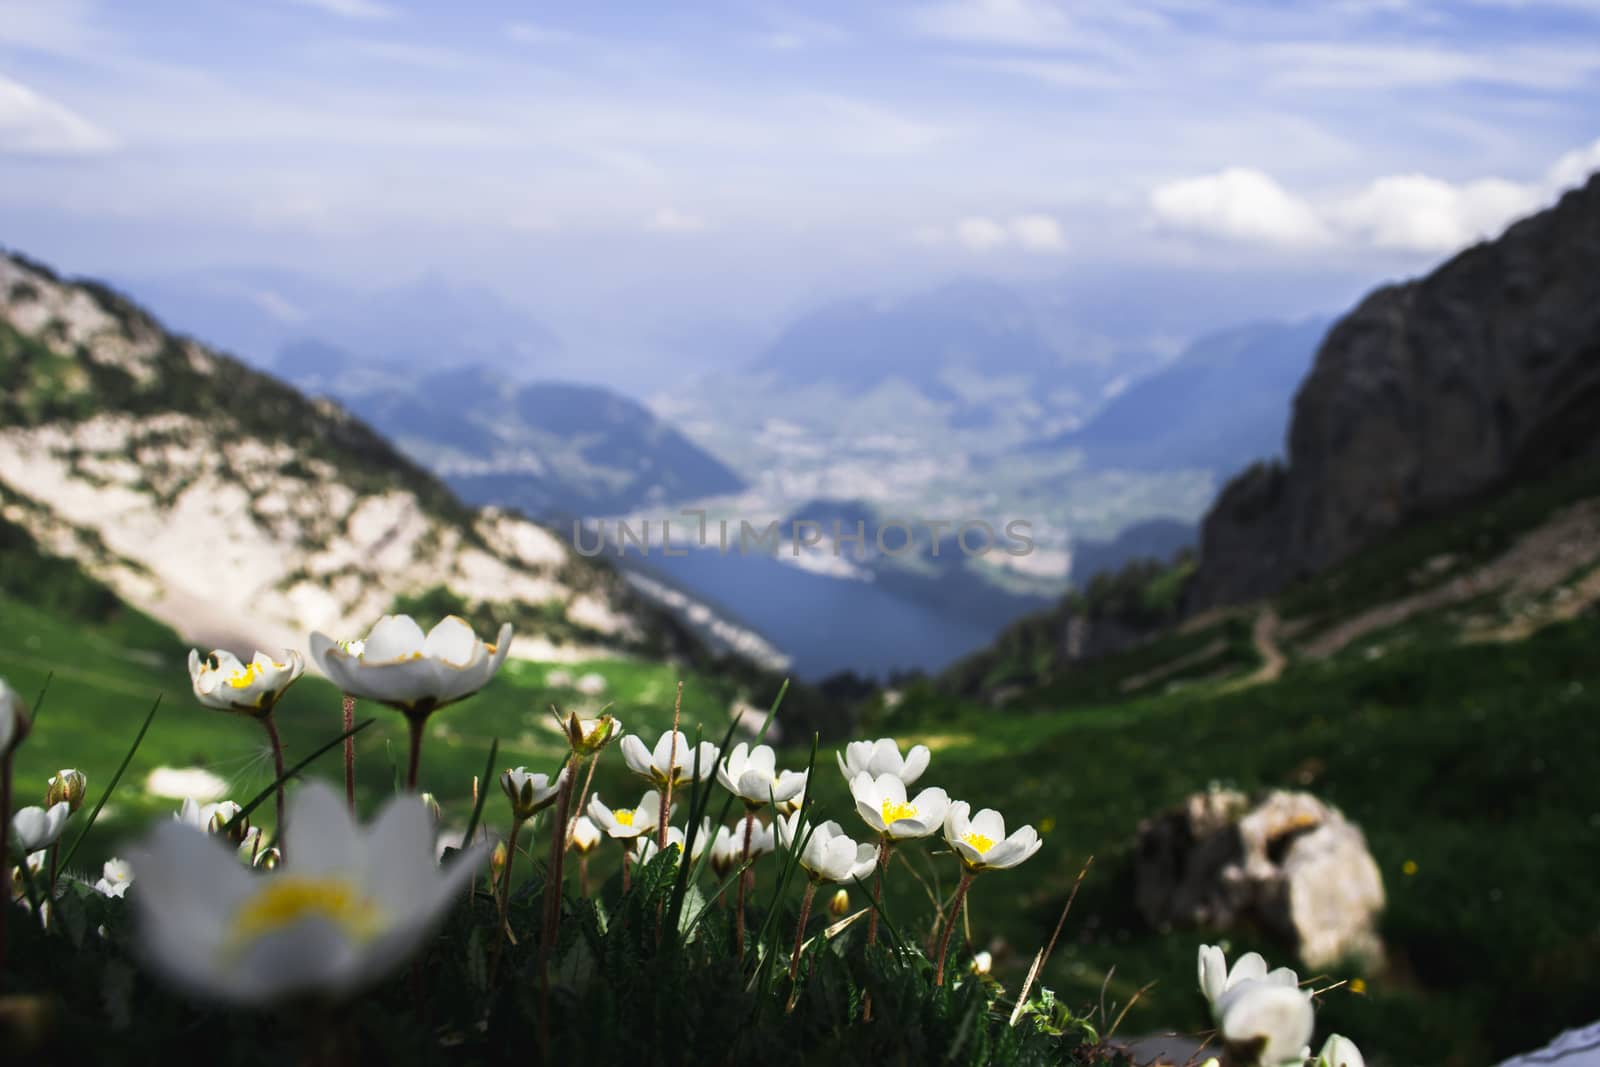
(1286, 862)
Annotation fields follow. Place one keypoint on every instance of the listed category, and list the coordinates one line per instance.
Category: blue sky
(744, 159)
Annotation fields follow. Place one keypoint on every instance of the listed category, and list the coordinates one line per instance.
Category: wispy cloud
(982, 233)
(350, 9)
(1383, 67)
(671, 220)
(31, 124)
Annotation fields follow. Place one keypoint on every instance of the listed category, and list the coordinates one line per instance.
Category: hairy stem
(744, 881)
(885, 844)
(5, 851)
(800, 929)
(277, 770)
(558, 856)
(504, 895)
(416, 722)
(350, 752)
(950, 923)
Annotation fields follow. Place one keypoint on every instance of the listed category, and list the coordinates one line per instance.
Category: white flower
(829, 855)
(752, 775)
(115, 878)
(350, 904)
(222, 682)
(882, 757)
(13, 719)
(1216, 978)
(727, 848)
(627, 823)
(674, 762)
(399, 666)
(585, 836)
(1265, 1023)
(981, 840)
(982, 963)
(531, 793)
(881, 801)
(1339, 1051)
(647, 848)
(36, 828)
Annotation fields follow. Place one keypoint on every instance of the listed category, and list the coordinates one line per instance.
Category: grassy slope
(1474, 763)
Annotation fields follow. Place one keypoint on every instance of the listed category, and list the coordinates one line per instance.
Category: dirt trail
(1540, 560)
(1264, 636)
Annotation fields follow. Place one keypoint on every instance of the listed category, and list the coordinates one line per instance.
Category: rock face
(1426, 394)
(1287, 862)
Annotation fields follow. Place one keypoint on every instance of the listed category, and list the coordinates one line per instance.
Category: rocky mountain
(231, 507)
(1221, 405)
(1427, 394)
(547, 449)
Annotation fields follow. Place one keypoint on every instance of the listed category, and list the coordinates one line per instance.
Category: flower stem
(884, 845)
(583, 874)
(744, 881)
(350, 752)
(950, 923)
(277, 770)
(558, 855)
(505, 875)
(627, 859)
(416, 722)
(800, 929)
(5, 851)
(672, 772)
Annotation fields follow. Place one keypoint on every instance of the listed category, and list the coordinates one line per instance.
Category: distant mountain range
(547, 449)
(1221, 405)
(226, 504)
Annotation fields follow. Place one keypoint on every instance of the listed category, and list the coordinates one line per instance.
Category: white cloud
(33, 125)
(1038, 233)
(1575, 167)
(1379, 67)
(1416, 213)
(671, 220)
(1402, 212)
(350, 9)
(1239, 204)
(981, 233)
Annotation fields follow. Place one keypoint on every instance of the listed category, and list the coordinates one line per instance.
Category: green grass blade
(33, 712)
(483, 793)
(262, 797)
(110, 788)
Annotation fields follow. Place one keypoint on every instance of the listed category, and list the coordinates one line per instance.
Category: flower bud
(66, 785)
(982, 963)
(839, 906)
(223, 813)
(530, 793)
(431, 802)
(269, 859)
(589, 736)
(497, 860)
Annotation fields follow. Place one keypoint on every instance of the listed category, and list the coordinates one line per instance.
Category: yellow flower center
(285, 899)
(978, 841)
(894, 811)
(623, 816)
(241, 679)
